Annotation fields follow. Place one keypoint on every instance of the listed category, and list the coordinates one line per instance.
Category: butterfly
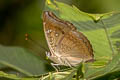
(67, 46)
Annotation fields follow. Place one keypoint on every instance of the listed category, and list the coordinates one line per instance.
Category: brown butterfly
(67, 46)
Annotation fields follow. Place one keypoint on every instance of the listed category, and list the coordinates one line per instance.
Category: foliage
(29, 59)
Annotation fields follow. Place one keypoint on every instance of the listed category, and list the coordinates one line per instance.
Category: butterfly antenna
(28, 38)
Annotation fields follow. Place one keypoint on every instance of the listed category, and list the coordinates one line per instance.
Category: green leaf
(107, 69)
(98, 32)
(65, 75)
(22, 60)
(78, 70)
(10, 76)
(70, 76)
(4, 76)
(2, 66)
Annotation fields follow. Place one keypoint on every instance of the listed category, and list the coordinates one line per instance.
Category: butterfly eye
(48, 54)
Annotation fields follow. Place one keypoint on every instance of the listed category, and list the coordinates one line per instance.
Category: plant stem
(109, 41)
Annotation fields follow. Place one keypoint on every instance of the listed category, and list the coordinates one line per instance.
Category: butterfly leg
(55, 66)
(67, 62)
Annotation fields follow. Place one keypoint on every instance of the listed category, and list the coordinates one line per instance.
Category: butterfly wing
(52, 32)
(75, 47)
(54, 29)
(64, 41)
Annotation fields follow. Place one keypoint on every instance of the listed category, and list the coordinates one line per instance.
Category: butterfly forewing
(53, 32)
